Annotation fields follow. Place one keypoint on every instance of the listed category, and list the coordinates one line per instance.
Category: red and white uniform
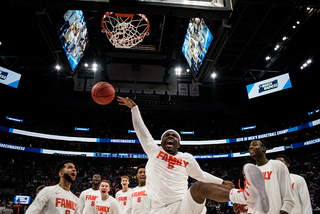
(278, 187)
(301, 195)
(124, 199)
(54, 200)
(86, 201)
(141, 203)
(167, 175)
(108, 206)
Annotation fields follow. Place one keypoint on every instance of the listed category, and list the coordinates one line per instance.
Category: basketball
(102, 93)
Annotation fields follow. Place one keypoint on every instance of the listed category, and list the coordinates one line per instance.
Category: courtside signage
(269, 86)
(9, 77)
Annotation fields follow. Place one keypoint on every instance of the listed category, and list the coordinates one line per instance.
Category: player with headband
(168, 170)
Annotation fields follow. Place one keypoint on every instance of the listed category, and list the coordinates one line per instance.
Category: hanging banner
(9, 77)
(183, 89)
(79, 85)
(195, 92)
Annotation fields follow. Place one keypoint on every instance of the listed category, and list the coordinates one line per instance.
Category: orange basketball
(102, 93)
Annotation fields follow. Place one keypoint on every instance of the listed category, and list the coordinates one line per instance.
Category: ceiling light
(213, 75)
(188, 70)
(284, 38)
(94, 65)
(308, 8)
(94, 68)
(86, 65)
(0, 43)
(294, 27)
(58, 67)
(301, 67)
(268, 58)
(305, 65)
(178, 69)
(277, 47)
(309, 61)
(298, 22)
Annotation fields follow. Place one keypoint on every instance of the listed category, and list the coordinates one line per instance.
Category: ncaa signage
(269, 86)
(9, 77)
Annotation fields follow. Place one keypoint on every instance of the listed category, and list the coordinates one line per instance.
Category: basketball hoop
(125, 30)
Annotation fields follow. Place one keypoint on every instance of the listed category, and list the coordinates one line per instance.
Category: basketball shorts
(185, 206)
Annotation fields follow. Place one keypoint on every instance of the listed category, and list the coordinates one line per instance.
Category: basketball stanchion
(125, 30)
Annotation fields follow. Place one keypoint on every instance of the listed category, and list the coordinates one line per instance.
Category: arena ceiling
(242, 41)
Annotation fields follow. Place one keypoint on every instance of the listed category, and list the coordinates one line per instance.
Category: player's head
(170, 141)
(66, 170)
(39, 189)
(257, 148)
(125, 181)
(96, 180)
(284, 159)
(104, 187)
(141, 175)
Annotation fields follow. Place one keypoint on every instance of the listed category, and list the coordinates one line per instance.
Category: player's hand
(236, 208)
(228, 184)
(125, 101)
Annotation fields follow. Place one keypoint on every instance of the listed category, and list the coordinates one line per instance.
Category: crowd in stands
(24, 173)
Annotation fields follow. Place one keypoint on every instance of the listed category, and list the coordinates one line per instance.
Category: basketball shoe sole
(256, 184)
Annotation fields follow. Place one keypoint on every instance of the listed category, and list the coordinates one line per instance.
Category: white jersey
(86, 201)
(167, 175)
(124, 199)
(141, 203)
(278, 187)
(54, 200)
(301, 195)
(108, 206)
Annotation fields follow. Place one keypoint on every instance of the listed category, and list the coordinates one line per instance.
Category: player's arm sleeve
(304, 196)
(81, 202)
(142, 132)
(130, 204)
(40, 201)
(286, 191)
(197, 173)
(116, 208)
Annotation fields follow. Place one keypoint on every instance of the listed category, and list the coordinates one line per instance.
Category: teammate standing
(57, 199)
(123, 196)
(277, 179)
(300, 190)
(141, 203)
(106, 204)
(88, 196)
(168, 170)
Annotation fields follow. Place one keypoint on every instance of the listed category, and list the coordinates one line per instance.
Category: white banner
(124, 90)
(160, 92)
(148, 91)
(9, 77)
(137, 91)
(183, 89)
(269, 86)
(195, 92)
(79, 85)
(172, 93)
(90, 84)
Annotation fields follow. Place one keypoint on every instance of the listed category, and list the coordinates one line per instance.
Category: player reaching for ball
(168, 170)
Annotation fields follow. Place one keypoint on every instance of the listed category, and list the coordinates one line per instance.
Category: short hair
(286, 158)
(139, 167)
(61, 165)
(107, 181)
(264, 143)
(40, 188)
(125, 177)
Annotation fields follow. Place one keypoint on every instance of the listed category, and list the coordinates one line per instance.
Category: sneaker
(254, 189)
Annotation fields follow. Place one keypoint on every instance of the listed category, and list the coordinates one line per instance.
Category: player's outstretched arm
(125, 101)
(142, 131)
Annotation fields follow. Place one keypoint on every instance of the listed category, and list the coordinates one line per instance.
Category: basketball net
(125, 30)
